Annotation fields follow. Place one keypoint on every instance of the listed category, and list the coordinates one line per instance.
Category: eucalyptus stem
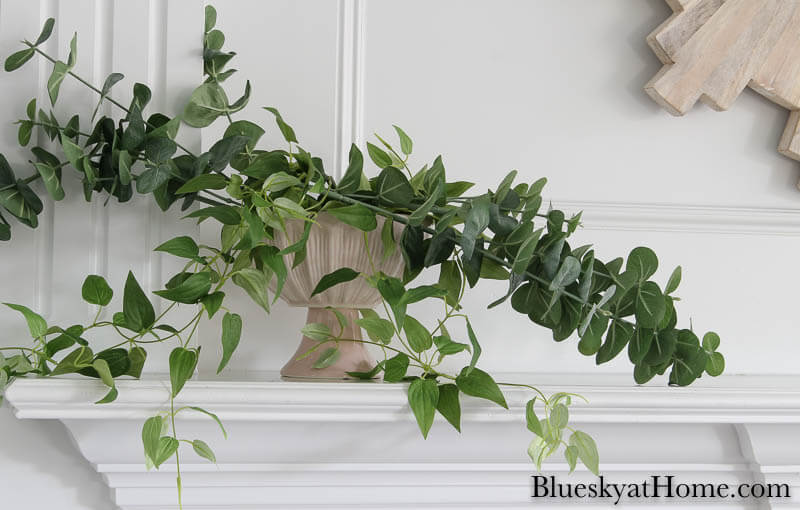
(105, 97)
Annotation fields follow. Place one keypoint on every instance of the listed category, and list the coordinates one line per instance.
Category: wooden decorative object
(713, 49)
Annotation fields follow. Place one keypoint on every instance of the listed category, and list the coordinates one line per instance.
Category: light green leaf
(568, 272)
(207, 103)
(255, 283)
(715, 364)
(559, 416)
(711, 341)
(674, 281)
(51, 181)
(167, 446)
(101, 366)
(60, 70)
(151, 432)
(478, 383)
(587, 450)
(328, 357)
(423, 395)
(36, 323)
(405, 143)
(379, 330)
(203, 450)
(316, 331)
(213, 416)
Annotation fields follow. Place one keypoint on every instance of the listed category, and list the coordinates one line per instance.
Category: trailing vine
(252, 192)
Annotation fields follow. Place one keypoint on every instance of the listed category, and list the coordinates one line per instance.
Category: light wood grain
(713, 49)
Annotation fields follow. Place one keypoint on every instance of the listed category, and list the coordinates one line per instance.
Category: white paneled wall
(549, 87)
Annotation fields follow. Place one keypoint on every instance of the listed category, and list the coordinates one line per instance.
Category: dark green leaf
(476, 348)
(642, 262)
(18, 59)
(619, 334)
(650, 305)
(419, 338)
(341, 275)
(183, 246)
(286, 129)
(448, 405)
(396, 368)
(190, 290)
(154, 176)
(182, 363)
(525, 252)
(476, 222)
(352, 177)
(137, 356)
(212, 302)
(225, 214)
(203, 181)
(47, 29)
(357, 216)
(210, 17)
(231, 333)
(640, 344)
(137, 309)
(378, 156)
(534, 425)
(96, 291)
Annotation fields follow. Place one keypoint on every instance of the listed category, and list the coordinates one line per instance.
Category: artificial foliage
(613, 307)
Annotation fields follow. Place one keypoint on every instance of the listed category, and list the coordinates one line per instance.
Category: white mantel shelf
(303, 445)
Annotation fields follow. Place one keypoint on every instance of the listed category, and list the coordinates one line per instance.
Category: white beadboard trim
(737, 399)
(43, 235)
(684, 218)
(349, 91)
(101, 67)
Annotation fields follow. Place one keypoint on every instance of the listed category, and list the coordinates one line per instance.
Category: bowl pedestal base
(353, 356)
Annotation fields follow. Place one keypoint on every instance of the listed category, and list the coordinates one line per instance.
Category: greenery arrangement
(252, 192)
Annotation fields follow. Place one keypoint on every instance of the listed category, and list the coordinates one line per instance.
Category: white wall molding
(303, 445)
(349, 81)
(684, 218)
